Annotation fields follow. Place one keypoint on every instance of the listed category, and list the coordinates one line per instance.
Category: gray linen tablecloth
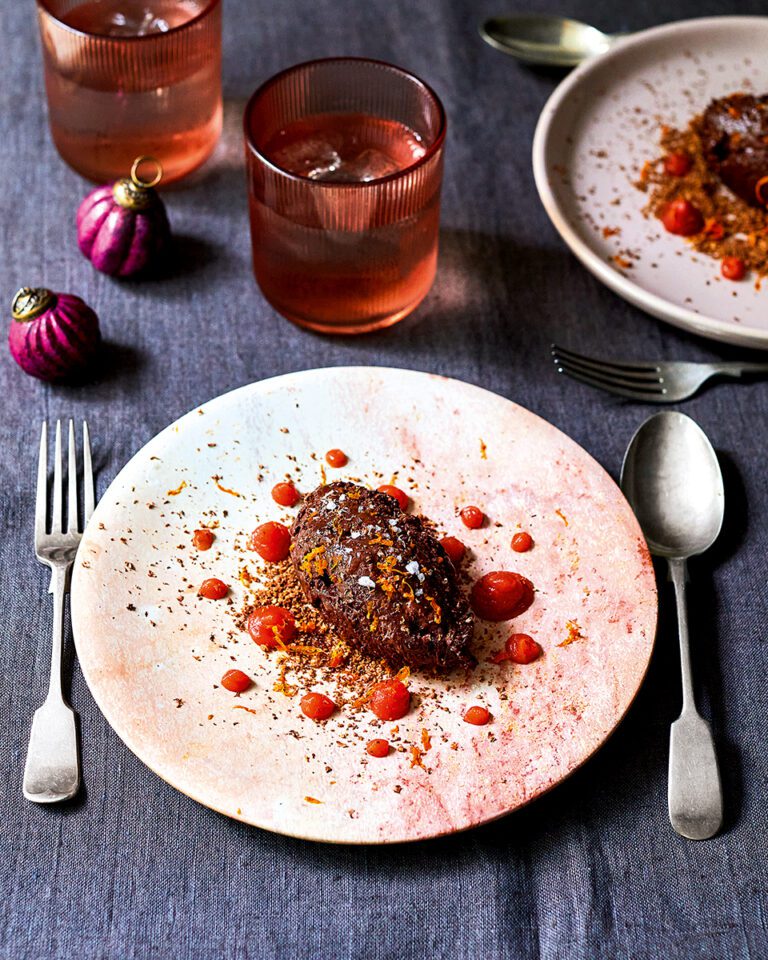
(134, 869)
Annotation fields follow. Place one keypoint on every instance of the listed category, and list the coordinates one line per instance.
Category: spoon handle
(695, 793)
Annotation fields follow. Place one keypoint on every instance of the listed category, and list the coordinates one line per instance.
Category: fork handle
(58, 589)
(52, 770)
(736, 369)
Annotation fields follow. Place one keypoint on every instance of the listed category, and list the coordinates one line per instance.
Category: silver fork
(662, 382)
(52, 771)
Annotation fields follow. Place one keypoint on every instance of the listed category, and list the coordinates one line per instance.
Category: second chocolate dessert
(734, 135)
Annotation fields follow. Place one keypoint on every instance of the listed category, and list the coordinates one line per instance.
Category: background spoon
(546, 40)
(672, 480)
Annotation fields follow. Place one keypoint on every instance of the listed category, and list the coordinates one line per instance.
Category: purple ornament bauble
(122, 227)
(53, 335)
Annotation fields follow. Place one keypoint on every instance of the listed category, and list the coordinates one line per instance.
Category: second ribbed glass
(345, 160)
(126, 78)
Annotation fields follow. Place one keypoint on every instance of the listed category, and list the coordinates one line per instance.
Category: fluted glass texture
(345, 257)
(119, 87)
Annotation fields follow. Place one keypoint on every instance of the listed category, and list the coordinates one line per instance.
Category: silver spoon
(546, 40)
(672, 480)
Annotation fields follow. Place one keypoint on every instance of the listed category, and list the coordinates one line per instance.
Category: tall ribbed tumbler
(125, 78)
(345, 161)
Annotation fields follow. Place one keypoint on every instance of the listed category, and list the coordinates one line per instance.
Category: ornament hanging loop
(146, 184)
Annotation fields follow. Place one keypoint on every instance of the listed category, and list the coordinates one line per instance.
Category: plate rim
(651, 303)
(308, 835)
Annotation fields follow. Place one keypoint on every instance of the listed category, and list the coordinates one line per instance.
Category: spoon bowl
(545, 40)
(672, 479)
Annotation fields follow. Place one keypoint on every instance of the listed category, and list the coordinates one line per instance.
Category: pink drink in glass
(132, 77)
(345, 203)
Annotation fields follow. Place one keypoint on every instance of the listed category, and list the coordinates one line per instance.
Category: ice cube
(313, 158)
(371, 164)
(151, 24)
(135, 24)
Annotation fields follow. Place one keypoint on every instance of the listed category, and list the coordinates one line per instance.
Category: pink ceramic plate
(153, 653)
(595, 134)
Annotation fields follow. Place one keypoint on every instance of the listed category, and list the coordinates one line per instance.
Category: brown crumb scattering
(316, 654)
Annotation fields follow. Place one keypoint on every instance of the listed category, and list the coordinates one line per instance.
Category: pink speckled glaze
(146, 641)
(117, 240)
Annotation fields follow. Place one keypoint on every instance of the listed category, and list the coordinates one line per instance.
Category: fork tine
(41, 500)
(645, 397)
(642, 388)
(89, 495)
(71, 481)
(618, 366)
(57, 524)
(621, 377)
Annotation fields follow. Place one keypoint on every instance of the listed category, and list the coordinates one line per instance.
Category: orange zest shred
(483, 449)
(177, 490)
(232, 493)
(574, 633)
(315, 559)
(379, 539)
(312, 800)
(416, 756)
(282, 686)
(278, 639)
(438, 613)
(388, 566)
(562, 516)
(239, 706)
(426, 742)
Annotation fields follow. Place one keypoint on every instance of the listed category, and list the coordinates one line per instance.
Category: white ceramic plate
(153, 652)
(593, 137)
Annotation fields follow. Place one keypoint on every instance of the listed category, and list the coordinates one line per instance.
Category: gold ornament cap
(133, 192)
(30, 302)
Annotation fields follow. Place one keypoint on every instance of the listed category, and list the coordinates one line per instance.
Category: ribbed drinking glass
(345, 161)
(126, 78)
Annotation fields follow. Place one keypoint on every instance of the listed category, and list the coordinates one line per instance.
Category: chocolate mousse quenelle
(381, 578)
